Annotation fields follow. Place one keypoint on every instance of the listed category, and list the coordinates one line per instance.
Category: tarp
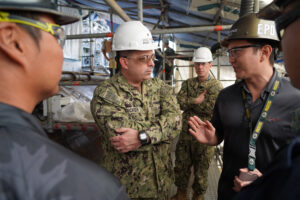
(178, 13)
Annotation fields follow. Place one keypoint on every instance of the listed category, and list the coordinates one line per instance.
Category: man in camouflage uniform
(281, 180)
(137, 116)
(196, 97)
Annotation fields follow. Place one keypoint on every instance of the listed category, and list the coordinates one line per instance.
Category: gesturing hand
(204, 132)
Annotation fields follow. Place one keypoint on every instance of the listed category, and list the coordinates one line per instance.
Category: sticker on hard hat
(147, 41)
(266, 29)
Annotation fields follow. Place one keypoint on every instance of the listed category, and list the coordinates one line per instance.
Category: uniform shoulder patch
(109, 93)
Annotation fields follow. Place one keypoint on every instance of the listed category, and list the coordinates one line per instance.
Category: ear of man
(266, 51)
(124, 62)
(12, 43)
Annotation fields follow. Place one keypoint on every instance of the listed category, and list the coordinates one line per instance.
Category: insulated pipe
(140, 10)
(247, 6)
(191, 29)
(118, 9)
(256, 6)
(81, 77)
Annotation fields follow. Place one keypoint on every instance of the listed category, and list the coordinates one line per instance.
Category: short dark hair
(33, 32)
(122, 54)
(263, 43)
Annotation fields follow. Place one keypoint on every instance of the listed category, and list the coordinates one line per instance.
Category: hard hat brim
(270, 12)
(59, 18)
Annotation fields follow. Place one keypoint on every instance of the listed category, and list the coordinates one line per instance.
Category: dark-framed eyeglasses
(143, 59)
(54, 29)
(286, 19)
(234, 52)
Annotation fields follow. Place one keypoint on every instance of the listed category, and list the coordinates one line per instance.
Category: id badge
(247, 176)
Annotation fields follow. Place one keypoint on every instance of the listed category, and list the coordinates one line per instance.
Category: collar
(267, 89)
(10, 115)
(123, 83)
(208, 78)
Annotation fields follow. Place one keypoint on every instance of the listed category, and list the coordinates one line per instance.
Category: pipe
(94, 35)
(74, 76)
(191, 29)
(157, 31)
(256, 6)
(247, 6)
(118, 9)
(140, 10)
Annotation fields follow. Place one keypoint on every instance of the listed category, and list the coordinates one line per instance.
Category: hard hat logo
(251, 27)
(148, 41)
(266, 29)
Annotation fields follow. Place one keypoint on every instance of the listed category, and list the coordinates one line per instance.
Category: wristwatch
(143, 137)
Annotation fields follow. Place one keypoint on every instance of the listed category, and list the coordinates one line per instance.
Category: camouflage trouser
(190, 152)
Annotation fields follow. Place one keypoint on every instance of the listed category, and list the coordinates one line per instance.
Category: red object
(109, 34)
(75, 83)
(218, 28)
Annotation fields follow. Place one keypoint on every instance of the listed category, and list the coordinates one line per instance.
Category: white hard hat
(133, 35)
(202, 54)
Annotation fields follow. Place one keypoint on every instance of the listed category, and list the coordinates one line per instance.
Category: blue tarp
(178, 14)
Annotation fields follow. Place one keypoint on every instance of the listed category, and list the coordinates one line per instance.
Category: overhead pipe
(118, 9)
(157, 31)
(94, 35)
(140, 10)
(191, 29)
(256, 6)
(247, 6)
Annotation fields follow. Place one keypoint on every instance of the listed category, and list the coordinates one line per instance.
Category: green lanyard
(259, 125)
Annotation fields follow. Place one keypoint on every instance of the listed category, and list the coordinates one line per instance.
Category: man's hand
(245, 178)
(199, 99)
(204, 132)
(126, 141)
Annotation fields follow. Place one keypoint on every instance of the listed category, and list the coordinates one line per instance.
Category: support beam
(118, 9)
(140, 10)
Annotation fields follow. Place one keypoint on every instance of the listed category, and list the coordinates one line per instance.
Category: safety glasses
(54, 29)
(286, 19)
(143, 59)
(234, 52)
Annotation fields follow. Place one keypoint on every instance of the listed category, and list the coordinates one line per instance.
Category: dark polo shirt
(232, 126)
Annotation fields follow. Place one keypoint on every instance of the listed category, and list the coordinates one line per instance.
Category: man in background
(197, 96)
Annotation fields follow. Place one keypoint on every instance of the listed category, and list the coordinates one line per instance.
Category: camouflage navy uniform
(146, 172)
(188, 151)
